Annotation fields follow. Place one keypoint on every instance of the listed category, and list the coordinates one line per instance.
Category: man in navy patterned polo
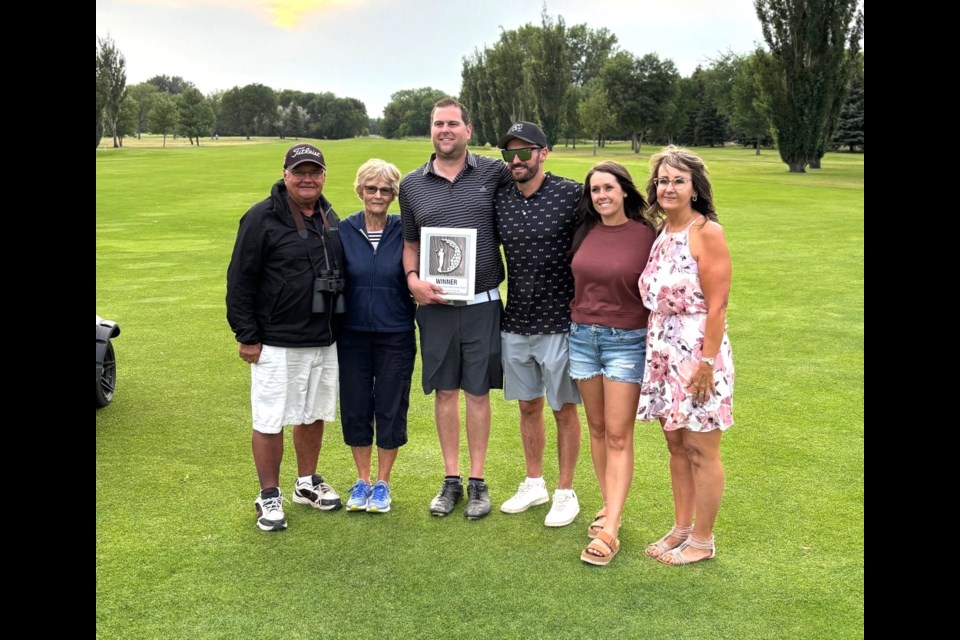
(536, 217)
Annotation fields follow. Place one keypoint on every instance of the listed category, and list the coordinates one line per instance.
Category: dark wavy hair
(684, 160)
(634, 206)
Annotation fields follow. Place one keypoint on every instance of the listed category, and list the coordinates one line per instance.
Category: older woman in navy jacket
(377, 346)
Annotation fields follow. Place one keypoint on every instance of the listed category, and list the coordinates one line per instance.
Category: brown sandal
(599, 521)
(601, 549)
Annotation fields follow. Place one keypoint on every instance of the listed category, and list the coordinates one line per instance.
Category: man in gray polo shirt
(459, 343)
(536, 218)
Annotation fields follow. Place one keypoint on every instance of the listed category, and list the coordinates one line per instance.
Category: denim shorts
(618, 354)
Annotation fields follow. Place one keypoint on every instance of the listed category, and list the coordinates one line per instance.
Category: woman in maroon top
(608, 336)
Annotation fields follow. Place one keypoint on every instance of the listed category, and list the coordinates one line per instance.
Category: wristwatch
(708, 361)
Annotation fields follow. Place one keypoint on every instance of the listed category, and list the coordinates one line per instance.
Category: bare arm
(421, 290)
(709, 247)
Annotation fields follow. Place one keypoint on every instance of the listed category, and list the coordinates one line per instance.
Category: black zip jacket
(271, 275)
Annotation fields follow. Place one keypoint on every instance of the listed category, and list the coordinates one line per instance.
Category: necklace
(681, 227)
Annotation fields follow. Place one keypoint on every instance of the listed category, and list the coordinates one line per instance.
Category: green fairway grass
(178, 551)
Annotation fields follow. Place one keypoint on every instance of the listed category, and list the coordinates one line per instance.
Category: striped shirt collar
(428, 168)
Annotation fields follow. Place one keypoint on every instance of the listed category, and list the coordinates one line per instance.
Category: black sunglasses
(523, 153)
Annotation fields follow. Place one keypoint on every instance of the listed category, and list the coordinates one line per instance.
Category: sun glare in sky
(288, 14)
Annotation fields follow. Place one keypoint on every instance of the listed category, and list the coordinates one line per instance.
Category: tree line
(173, 106)
(803, 93)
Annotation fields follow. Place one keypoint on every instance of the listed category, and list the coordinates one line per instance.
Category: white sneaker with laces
(270, 510)
(565, 508)
(317, 493)
(529, 494)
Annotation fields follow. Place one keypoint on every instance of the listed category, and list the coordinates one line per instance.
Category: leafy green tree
(550, 74)
(749, 116)
(215, 100)
(812, 44)
(174, 86)
(587, 51)
(142, 94)
(497, 87)
(164, 115)
(127, 120)
(408, 112)
(679, 111)
(111, 83)
(195, 115)
(101, 95)
(594, 112)
(639, 90)
(249, 110)
(571, 119)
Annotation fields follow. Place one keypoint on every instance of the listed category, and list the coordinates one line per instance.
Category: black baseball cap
(526, 131)
(301, 153)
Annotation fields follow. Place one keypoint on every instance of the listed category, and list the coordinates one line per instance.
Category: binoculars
(329, 284)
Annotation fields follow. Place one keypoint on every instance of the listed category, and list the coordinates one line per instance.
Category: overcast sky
(369, 49)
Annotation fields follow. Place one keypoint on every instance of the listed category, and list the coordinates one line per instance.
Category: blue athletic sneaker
(359, 496)
(380, 498)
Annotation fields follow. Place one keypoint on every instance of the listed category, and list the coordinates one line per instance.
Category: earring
(694, 197)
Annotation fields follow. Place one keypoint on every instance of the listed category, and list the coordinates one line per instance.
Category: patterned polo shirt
(536, 233)
(430, 200)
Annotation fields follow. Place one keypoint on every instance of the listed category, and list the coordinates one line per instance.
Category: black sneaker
(451, 492)
(478, 501)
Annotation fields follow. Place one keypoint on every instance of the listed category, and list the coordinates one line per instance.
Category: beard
(526, 175)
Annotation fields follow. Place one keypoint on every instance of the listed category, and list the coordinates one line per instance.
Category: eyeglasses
(678, 183)
(300, 175)
(523, 153)
(371, 190)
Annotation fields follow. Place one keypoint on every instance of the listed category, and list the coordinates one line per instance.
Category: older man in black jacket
(283, 297)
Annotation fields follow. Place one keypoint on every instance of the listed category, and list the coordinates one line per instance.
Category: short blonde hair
(377, 169)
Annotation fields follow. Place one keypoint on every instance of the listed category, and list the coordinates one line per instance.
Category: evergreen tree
(850, 125)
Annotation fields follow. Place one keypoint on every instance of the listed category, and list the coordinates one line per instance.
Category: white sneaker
(317, 493)
(269, 506)
(530, 494)
(565, 508)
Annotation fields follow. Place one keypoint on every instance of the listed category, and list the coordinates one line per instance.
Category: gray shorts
(534, 364)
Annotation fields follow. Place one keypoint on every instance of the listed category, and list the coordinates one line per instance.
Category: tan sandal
(676, 558)
(660, 547)
(599, 522)
(601, 549)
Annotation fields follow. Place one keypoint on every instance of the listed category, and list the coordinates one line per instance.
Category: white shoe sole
(315, 505)
(563, 523)
(504, 508)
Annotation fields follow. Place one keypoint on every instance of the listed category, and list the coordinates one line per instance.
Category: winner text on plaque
(448, 258)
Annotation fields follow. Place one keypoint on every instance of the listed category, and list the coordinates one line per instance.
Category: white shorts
(294, 385)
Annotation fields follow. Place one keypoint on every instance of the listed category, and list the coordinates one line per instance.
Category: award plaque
(448, 258)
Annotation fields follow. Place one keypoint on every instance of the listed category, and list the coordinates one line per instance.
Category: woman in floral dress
(688, 378)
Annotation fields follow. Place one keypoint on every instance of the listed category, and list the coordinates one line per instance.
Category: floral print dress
(670, 288)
